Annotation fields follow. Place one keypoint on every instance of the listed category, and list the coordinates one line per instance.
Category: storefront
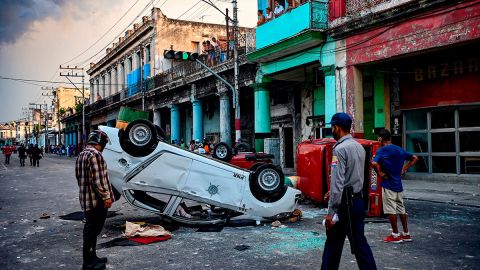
(440, 104)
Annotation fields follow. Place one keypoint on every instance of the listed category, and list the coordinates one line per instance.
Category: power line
(198, 2)
(83, 63)
(110, 29)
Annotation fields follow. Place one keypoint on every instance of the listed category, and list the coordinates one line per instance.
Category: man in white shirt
(278, 9)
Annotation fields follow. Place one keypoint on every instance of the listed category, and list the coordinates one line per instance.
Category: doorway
(288, 147)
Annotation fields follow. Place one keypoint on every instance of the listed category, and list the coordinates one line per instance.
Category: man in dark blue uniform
(345, 200)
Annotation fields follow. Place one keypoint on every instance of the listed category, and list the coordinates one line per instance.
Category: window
(443, 119)
(196, 46)
(446, 139)
(147, 54)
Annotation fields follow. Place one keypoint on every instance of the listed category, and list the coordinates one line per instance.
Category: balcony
(295, 30)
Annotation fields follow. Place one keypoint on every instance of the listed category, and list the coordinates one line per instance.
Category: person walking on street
(346, 211)
(95, 194)
(22, 155)
(30, 154)
(36, 155)
(7, 151)
(389, 163)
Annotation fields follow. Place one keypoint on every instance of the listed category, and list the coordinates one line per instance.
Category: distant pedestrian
(7, 151)
(95, 194)
(345, 199)
(36, 155)
(22, 155)
(389, 163)
(30, 153)
(191, 146)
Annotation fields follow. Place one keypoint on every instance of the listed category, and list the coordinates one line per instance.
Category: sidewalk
(442, 192)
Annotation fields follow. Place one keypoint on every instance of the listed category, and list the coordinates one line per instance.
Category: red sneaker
(392, 239)
(406, 238)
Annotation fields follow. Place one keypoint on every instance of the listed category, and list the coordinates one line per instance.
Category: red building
(413, 66)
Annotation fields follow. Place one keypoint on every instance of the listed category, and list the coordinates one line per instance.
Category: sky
(37, 36)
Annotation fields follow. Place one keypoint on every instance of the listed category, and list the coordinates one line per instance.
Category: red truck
(313, 171)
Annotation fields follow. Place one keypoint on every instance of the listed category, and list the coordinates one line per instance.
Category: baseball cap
(97, 137)
(341, 119)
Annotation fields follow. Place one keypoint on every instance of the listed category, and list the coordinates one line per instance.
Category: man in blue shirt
(389, 163)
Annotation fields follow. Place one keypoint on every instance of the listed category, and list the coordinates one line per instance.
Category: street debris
(44, 216)
(276, 223)
(134, 229)
(242, 247)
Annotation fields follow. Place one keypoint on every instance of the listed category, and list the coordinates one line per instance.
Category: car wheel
(256, 165)
(139, 138)
(241, 147)
(222, 151)
(267, 182)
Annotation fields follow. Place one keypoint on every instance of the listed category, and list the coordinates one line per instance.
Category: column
(262, 115)
(197, 120)
(175, 122)
(354, 92)
(330, 92)
(157, 118)
(225, 129)
(379, 100)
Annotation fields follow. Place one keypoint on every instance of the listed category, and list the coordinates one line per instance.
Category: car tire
(267, 183)
(256, 165)
(241, 147)
(139, 138)
(222, 151)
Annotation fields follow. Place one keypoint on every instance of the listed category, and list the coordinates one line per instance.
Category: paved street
(446, 236)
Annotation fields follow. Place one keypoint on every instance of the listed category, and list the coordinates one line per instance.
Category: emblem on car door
(212, 189)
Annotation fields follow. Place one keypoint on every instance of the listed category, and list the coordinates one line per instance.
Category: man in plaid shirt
(96, 195)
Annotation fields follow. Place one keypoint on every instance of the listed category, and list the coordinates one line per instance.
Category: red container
(313, 168)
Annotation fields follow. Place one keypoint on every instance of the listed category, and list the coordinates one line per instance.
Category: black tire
(256, 165)
(267, 183)
(241, 147)
(222, 151)
(139, 138)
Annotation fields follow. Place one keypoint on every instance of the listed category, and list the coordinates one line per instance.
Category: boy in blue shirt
(389, 163)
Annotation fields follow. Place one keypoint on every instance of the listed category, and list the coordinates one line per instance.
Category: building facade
(293, 88)
(413, 67)
(182, 97)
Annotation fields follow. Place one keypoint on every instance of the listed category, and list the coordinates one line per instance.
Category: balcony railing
(311, 15)
(182, 69)
(354, 7)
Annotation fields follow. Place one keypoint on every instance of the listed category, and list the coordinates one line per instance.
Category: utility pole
(70, 73)
(141, 77)
(228, 33)
(46, 113)
(56, 103)
(236, 101)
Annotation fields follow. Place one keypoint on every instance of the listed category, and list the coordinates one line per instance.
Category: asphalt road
(445, 236)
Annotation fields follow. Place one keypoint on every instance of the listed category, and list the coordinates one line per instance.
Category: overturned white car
(188, 187)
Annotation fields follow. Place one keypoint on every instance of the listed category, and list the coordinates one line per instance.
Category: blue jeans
(336, 238)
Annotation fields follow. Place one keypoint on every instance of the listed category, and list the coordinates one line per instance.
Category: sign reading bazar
(446, 69)
(442, 78)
